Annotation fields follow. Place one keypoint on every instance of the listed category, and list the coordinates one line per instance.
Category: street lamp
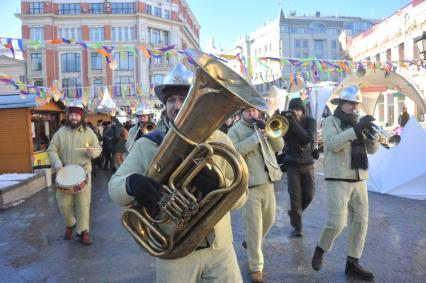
(421, 44)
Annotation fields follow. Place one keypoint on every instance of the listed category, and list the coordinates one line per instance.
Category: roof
(16, 101)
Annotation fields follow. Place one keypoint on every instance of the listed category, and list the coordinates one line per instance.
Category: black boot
(353, 268)
(317, 259)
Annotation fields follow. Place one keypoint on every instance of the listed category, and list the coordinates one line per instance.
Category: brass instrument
(185, 220)
(147, 127)
(377, 133)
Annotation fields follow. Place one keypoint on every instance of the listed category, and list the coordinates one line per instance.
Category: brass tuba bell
(185, 219)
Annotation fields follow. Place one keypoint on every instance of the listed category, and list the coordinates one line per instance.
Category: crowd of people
(128, 151)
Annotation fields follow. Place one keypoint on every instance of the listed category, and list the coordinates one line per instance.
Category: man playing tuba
(258, 150)
(214, 259)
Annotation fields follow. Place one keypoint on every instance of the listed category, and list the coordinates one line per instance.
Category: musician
(75, 143)
(214, 260)
(346, 172)
(259, 212)
(144, 116)
(299, 152)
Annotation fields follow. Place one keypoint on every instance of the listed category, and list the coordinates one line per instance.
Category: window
(401, 52)
(36, 62)
(319, 49)
(305, 43)
(297, 43)
(166, 14)
(317, 28)
(157, 12)
(36, 7)
(125, 60)
(357, 27)
(98, 83)
(70, 62)
(69, 9)
(334, 44)
(37, 33)
(95, 8)
(69, 85)
(96, 61)
(389, 55)
(122, 8)
(70, 33)
(96, 34)
(122, 80)
(149, 9)
(123, 33)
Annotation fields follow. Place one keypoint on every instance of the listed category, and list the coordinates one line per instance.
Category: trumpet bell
(277, 126)
(148, 127)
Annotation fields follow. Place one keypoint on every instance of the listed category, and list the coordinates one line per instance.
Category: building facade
(393, 39)
(294, 36)
(15, 68)
(117, 23)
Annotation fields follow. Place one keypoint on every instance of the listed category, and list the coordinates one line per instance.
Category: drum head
(70, 176)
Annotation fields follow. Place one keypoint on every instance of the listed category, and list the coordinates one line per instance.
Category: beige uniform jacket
(131, 136)
(337, 151)
(68, 146)
(247, 144)
(138, 161)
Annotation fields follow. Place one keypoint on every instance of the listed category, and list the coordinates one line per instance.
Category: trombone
(276, 126)
(377, 133)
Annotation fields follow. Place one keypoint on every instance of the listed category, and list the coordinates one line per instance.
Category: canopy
(373, 82)
(401, 171)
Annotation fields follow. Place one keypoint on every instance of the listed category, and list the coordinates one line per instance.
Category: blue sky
(225, 20)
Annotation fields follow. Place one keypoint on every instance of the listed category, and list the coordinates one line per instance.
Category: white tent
(401, 171)
(318, 97)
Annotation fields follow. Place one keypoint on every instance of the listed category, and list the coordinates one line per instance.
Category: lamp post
(421, 44)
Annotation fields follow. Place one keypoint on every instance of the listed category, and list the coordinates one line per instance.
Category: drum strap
(155, 136)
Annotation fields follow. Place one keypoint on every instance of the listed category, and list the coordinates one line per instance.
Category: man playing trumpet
(144, 117)
(346, 172)
(258, 149)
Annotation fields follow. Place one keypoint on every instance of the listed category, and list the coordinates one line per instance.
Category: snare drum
(71, 179)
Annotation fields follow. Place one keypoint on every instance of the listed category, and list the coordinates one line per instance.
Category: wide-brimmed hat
(77, 107)
(178, 79)
(349, 93)
(142, 110)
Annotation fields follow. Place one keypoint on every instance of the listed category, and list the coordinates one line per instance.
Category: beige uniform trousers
(346, 199)
(209, 265)
(75, 208)
(259, 216)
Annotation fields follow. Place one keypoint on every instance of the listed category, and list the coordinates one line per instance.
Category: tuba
(184, 219)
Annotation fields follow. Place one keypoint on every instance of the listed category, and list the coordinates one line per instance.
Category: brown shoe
(256, 276)
(68, 233)
(84, 238)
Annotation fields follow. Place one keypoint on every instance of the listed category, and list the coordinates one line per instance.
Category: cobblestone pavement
(32, 248)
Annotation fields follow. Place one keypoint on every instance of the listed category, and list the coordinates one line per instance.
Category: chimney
(317, 14)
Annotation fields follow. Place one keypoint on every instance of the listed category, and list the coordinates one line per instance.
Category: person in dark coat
(299, 151)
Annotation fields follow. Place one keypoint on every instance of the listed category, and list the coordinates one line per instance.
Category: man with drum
(74, 145)
(346, 171)
(258, 149)
(144, 117)
(214, 260)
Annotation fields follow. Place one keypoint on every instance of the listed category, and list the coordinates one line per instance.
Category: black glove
(146, 191)
(363, 123)
(260, 124)
(315, 154)
(206, 181)
(289, 116)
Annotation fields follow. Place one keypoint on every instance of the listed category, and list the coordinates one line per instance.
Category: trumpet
(147, 127)
(377, 133)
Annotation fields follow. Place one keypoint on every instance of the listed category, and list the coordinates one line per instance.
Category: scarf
(359, 158)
